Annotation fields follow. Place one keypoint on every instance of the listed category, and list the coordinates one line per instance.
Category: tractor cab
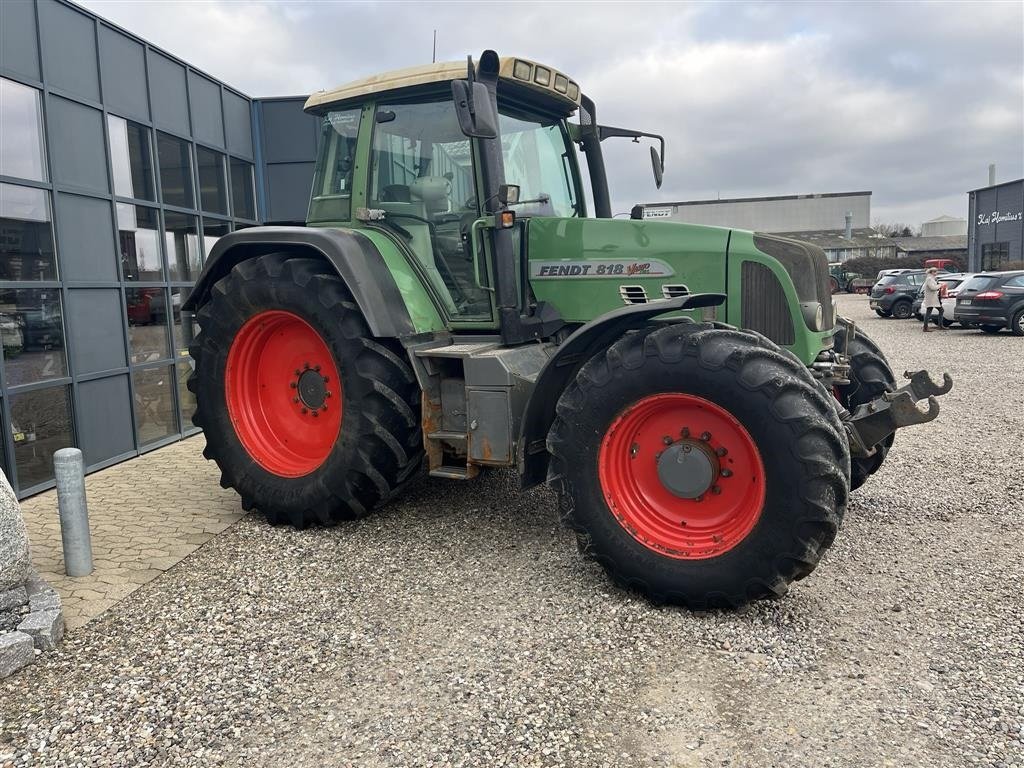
(404, 153)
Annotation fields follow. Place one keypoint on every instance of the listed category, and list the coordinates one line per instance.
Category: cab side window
(332, 183)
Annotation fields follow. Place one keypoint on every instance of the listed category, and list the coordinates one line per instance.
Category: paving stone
(16, 651)
(46, 628)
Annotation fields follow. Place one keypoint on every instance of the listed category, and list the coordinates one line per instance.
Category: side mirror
(658, 164)
(476, 113)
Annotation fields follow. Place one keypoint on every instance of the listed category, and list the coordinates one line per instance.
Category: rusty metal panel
(490, 427)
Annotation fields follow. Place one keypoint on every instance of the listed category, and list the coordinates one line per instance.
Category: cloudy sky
(909, 100)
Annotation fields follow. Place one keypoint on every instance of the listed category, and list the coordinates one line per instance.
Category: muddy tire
(308, 417)
(708, 399)
(870, 376)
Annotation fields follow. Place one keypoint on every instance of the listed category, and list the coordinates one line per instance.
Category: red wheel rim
(657, 428)
(283, 393)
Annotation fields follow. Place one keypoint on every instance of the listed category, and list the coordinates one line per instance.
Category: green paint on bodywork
(807, 343)
(695, 255)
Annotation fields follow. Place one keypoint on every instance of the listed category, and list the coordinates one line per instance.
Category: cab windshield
(537, 157)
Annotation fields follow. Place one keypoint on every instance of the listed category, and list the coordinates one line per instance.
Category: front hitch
(873, 422)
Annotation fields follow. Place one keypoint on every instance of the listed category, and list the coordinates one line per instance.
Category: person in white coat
(932, 300)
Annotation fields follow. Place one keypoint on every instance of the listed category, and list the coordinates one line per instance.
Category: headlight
(814, 315)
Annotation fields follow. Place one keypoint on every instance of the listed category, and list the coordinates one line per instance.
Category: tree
(895, 229)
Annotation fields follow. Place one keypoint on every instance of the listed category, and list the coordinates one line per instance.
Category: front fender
(584, 343)
(352, 255)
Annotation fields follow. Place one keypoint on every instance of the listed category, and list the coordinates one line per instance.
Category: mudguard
(583, 344)
(352, 255)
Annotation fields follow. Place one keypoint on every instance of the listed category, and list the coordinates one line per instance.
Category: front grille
(806, 265)
(674, 291)
(633, 294)
(765, 308)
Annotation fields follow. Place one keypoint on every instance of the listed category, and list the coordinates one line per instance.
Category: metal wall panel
(289, 134)
(207, 120)
(287, 190)
(85, 232)
(238, 123)
(95, 330)
(19, 51)
(104, 419)
(169, 93)
(78, 149)
(69, 49)
(123, 67)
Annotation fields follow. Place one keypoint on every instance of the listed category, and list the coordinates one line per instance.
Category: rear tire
(752, 538)
(364, 442)
(883, 313)
(834, 284)
(870, 376)
(1017, 323)
(901, 310)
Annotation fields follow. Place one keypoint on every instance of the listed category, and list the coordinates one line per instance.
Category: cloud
(911, 101)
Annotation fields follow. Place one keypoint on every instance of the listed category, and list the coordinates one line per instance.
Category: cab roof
(538, 79)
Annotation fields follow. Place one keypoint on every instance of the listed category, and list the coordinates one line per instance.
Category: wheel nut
(293, 385)
(666, 440)
(323, 407)
(685, 432)
(716, 490)
(316, 412)
(705, 436)
(700, 498)
(305, 410)
(316, 368)
(306, 366)
(327, 393)
(326, 379)
(726, 472)
(295, 399)
(721, 451)
(298, 372)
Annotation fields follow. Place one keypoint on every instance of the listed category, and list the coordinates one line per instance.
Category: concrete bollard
(69, 471)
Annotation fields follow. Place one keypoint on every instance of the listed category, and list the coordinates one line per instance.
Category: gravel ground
(459, 627)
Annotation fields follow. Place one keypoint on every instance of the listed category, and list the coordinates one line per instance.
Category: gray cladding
(105, 423)
(96, 334)
(87, 250)
(289, 139)
(287, 189)
(207, 115)
(78, 150)
(19, 51)
(123, 67)
(69, 50)
(996, 218)
(238, 124)
(169, 94)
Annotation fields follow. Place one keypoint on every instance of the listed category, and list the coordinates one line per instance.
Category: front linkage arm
(872, 422)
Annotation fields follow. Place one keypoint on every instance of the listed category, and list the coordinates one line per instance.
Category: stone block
(44, 600)
(16, 651)
(14, 554)
(13, 598)
(46, 628)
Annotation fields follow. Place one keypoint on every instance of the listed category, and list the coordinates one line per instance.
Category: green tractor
(688, 391)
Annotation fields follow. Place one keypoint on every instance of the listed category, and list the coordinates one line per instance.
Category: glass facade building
(120, 166)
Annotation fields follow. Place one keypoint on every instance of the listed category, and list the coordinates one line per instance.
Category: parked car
(993, 301)
(952, 282)
(893, 294)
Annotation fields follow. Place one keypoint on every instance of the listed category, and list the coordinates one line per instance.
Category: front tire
(870, 376)
(308, 417)
(765, 474)
(1017, 323)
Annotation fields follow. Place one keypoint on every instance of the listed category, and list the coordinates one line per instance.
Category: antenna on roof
(433, 58)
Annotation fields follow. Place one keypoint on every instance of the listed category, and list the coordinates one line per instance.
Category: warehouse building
(996, 226)
(120, 166)
(784, 213)
(944, 226)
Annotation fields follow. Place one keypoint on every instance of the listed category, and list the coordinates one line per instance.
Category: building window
(40, 425)
(175, 157)
(181, 236)
(33, 335)
(994, 255)
(243, 190)
(186, 400)
(213, 231)
(185, 326)
(131, 159)
(138, 231)
(21, 132)
(26, 235)
(147, 323)
(213, 193)
(154, 404)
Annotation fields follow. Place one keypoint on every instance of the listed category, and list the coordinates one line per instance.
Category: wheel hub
(312, 388)
(687, 469)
